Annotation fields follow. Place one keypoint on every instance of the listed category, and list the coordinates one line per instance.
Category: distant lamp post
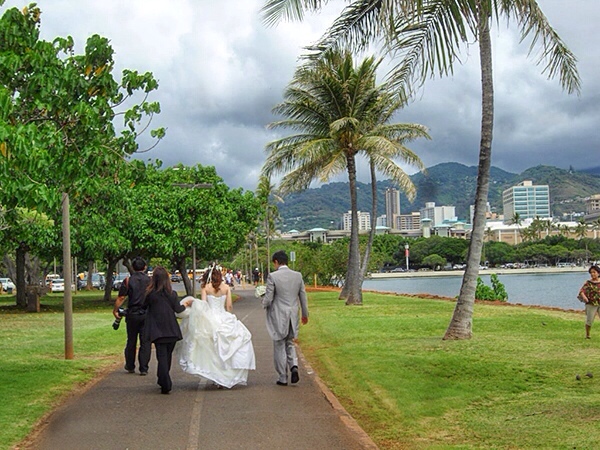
(406, 254)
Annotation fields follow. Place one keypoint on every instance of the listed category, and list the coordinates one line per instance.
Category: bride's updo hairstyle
(216, 278)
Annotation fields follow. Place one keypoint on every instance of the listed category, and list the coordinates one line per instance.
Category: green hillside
(445, 184)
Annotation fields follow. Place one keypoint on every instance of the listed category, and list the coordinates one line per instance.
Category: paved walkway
(127, 411)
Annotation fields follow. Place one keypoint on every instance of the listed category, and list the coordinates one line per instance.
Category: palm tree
(265, 192)
(537, 226)
(581, 231)
(426, 36)
(596, 227)
(516, 220)
(338, 112)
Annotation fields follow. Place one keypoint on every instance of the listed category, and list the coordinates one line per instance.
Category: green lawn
(34, 375)
(512, 386)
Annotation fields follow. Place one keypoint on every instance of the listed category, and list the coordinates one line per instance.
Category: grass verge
(512, 386)
(34, 375)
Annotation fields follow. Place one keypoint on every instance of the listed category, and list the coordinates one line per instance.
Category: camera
(122, 313)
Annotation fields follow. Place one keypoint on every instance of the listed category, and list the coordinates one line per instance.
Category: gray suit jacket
(284, 296)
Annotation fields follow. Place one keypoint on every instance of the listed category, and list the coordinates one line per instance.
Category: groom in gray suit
(284, 296)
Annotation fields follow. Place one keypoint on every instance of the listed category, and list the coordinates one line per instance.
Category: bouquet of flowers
(260, 291)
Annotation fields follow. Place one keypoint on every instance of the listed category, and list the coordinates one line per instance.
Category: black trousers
(164, 355)
(135, 330)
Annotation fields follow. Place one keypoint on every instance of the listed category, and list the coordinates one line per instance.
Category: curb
(351, 424)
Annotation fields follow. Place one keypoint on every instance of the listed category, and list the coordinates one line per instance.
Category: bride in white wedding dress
(216, 345)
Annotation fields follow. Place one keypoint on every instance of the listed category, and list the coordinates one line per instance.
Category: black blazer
(160, 316)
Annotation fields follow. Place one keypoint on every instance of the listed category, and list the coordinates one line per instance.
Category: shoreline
(497, 271)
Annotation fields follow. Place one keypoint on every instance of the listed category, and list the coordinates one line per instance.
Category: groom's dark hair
(280, 256)
(138, 264)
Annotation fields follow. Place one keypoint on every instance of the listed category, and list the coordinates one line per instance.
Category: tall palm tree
(426, 36)
(266, 193)
(596, 227)
(517, 220)
(338, 112)
(581, 231)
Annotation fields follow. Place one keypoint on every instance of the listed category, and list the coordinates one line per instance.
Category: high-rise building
(409, 222)
(392, 207)
(438, 214)
(527, 200)
(364, 221)
(592, 204)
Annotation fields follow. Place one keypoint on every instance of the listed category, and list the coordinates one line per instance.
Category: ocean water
(545, 289)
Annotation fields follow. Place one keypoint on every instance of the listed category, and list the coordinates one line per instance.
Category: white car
(58, 285)
(7, 284)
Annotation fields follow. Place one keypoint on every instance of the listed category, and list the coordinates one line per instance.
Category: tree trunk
(90, 269)
(461, 325)
(187, 283)
(20, 281)
(365, 261)
(353, 279)
(110, 269)
(268, 232)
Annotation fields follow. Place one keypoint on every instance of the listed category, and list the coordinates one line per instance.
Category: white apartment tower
(527, 200)
(437, 214)
(392, 207)
(364, 221)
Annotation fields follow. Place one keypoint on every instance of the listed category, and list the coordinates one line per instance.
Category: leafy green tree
(182, 208)
(57, 111)
(434, 261)
(426, 36)
(339, 111)
(499, 253)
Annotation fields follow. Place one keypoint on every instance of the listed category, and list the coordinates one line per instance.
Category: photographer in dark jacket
(134, 289)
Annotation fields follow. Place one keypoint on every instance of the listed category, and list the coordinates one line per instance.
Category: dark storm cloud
(221, 71)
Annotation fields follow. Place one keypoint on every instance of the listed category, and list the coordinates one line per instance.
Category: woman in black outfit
(161, 326)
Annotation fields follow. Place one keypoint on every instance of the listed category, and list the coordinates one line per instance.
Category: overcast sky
(221, 71)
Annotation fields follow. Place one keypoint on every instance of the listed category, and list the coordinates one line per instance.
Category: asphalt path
(127, 411)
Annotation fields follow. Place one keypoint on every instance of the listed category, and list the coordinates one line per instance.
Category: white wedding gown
(215, 345)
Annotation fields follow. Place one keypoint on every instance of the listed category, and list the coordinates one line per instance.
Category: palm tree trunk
(365, 261)
(353, 284)
(461, 325)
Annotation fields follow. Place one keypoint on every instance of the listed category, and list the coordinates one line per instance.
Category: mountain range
(450, 184)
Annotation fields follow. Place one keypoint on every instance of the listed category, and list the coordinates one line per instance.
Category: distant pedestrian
(284, 297)
(229, 278)
(162, 328)
(590, 294)
(133, 288)
(255, 276)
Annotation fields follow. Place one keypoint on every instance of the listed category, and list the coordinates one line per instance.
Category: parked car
(7, 284)
(176, 278)
(57, 285)
(98, 281)
(118, 280)
(50, 277)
